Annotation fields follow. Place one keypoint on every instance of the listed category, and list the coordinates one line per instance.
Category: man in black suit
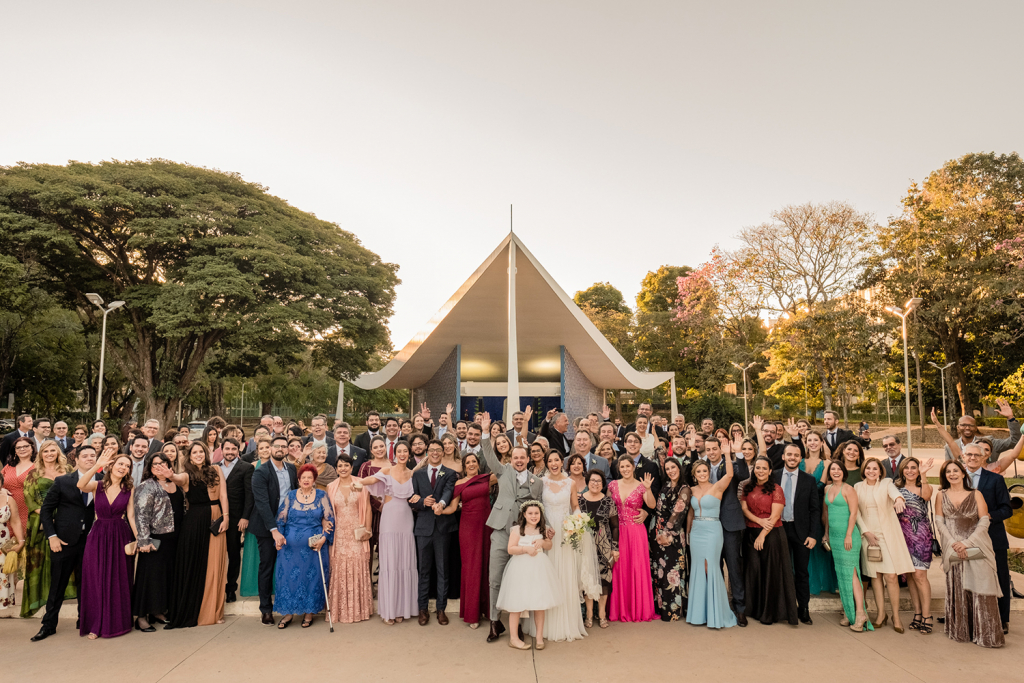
(150, 430)
(520, 434)
(269, 484)
(733, 521)
(774, 449)
(24, 428)
(645, 410)
(372, 430)
(342, 444)
(238, 480)
(67, 514)
(606, 432)
(835, 437)
(997, 498)
(435, 486)
(801, 519)
(553, 429)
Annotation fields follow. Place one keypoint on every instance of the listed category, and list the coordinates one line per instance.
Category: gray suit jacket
(596, 462)
(511, 494)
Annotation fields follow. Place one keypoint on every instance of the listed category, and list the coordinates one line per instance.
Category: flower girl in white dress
(529, 582)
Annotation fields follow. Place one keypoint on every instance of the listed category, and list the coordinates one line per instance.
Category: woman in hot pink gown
(632, 597)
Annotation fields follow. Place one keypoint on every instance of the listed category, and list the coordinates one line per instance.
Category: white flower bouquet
(573, 528)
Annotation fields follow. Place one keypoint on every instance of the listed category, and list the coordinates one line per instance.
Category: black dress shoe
(148, 629)
(267, 619)
(805, 616)
(231, 597)
(497, 628)
(741, 619)
(1006, 628)
(43, 634)
(168, 627)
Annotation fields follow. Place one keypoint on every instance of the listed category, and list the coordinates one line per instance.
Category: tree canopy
(202, 258)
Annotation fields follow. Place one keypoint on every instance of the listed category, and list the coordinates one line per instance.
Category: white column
(672, 388)
(512, 404)
(339, 414)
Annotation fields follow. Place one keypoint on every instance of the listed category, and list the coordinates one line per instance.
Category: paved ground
(242, 649)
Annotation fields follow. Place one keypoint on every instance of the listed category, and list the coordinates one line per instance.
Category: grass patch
(1016, 562)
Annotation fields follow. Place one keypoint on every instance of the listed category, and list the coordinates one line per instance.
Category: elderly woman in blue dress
(305, 513)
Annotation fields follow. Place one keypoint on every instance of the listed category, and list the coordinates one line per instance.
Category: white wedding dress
(564, 622)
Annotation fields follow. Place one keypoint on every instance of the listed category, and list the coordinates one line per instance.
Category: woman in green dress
(843, 536)
(50, 464)
(250, 552)
(851, 455)
(820, 568)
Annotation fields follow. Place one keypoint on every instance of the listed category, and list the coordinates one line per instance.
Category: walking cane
(327, 598)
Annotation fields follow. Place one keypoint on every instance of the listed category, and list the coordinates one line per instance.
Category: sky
(627, 135)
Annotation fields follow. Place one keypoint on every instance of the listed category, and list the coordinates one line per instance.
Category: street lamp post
(746, 417)
(114, 305)
(909, 306)
(942, 374)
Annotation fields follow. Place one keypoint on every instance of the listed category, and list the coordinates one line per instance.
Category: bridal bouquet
(573, 528)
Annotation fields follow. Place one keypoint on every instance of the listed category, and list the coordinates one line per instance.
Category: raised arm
(757, 422)
(951, 443)
(87, 482)
(723, 483)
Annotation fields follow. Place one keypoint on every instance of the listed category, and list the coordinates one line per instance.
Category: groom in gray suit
(515, 486)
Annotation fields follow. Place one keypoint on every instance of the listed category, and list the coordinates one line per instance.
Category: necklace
(306, 497)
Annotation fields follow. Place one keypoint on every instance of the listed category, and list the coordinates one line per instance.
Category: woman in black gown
(194, 540)
(159, 509)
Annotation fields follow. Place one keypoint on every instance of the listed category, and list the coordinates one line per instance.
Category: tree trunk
(217, 398)
(618, 404)
(948, 341)
(826, 388)
(845, 397)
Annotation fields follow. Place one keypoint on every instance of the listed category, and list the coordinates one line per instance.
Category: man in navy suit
(342, 444)
(997, 498)
(433, 487)
(67, 514)
(270, 483)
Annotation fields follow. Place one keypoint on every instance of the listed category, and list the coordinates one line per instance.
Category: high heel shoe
(916, 623)
(858, 626)
(881, 623)
(898, 629)
(148, 629)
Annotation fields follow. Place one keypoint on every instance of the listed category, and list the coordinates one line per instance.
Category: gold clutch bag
(874, 553)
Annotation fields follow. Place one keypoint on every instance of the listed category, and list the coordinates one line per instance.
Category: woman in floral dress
(669, 570)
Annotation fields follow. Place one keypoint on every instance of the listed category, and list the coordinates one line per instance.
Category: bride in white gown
(560, 499)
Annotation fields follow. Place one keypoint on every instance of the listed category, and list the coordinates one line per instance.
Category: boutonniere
(532, 480)
(440, 474)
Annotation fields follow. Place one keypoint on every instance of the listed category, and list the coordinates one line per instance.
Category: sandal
(925, 627)
(389, 622)
(284, 622)
(306, 623)
(589, 623)
(603, 622)
(916, 623)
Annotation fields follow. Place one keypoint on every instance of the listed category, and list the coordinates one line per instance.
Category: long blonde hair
(39, 471)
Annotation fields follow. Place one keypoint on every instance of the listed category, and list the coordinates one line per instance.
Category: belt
(706, 519)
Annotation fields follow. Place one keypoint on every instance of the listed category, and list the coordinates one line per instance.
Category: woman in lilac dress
(105, 593)
(398, 580)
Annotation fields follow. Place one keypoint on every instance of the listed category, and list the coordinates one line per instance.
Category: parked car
(195, 429)
(7, 426)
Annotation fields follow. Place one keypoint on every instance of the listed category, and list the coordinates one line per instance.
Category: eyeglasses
(22, 447)
(888, 445)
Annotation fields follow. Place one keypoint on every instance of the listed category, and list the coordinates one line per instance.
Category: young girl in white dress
(529, 582)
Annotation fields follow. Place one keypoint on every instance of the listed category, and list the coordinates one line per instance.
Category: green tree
(657, 335)
(602, 296)
(200, 257)
(943, 249)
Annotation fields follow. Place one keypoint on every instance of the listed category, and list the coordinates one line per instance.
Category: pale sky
(628, 135)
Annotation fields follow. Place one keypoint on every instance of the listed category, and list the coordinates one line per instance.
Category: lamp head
(913, 303)
(95, 299)
(115, 304)
(895, 310)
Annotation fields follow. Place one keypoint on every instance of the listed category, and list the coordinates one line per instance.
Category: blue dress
(708, 599)
(299, 586)
(820, 567)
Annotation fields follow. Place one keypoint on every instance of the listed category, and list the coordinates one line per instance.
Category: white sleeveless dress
(528, 582)
(564, 622)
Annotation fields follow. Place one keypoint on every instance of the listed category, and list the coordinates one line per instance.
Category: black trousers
(234, 539)
(432, 551)
(801, 559)
(732, 555)
(265, 577)
(1003, 574)
(62, 564)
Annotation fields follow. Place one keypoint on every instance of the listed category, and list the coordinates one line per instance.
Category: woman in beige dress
(351, 591)
(878, 502)
(212, 609)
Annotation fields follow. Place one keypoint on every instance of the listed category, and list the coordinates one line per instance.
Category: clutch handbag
(10, 562)
(215, 525)
(826, 545)
(361, 533)
(131, 548)
(874, 553)
(973, 553)
(314, 539)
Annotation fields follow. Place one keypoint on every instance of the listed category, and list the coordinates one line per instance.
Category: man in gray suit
(515, 486)
(583, 446)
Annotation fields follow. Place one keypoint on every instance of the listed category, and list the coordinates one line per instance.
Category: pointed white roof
(476, 317)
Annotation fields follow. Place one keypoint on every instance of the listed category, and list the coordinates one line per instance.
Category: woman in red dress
(474, 493)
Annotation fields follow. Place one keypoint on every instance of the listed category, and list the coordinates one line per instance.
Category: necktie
(433, 476)
(462, 445)
(787, 490)
(391, 452)
(893, 465)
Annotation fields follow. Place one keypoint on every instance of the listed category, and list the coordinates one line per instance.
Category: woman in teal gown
(708, 601)
(843, 535)
(820, 567)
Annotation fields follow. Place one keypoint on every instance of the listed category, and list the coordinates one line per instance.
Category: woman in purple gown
(105, 592)
(398, 581)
